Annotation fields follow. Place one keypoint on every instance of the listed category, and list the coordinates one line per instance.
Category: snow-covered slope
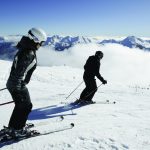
(121, 126)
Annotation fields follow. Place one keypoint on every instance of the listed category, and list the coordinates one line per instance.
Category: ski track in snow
(121, 126)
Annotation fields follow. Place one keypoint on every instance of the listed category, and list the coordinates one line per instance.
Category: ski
(99, 102)
(41, 123)
(73, 104)
(3, 131)
(34, 133)
(106, 102)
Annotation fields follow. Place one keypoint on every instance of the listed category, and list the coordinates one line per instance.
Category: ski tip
(72, 125)
(114, 102)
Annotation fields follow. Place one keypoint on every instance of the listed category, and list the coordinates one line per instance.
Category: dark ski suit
(91, 69)
(22, 68)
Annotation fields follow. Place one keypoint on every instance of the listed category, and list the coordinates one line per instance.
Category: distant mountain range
(59, 43)
(131, 42)
(7, 50)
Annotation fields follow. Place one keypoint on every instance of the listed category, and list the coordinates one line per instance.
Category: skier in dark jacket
(24, 64)
(91, 69)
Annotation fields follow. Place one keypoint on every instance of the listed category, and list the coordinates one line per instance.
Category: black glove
(104, 81)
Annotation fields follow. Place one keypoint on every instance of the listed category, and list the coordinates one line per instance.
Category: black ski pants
(23, 107)
(90, 89)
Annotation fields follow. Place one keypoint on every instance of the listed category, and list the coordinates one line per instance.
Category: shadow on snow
(51, 112)
(45, 113)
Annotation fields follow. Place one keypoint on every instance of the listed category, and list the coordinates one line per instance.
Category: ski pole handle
(3, 89)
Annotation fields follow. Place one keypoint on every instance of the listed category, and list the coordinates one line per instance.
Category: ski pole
(6, 103)
(73, 91)
(3, 89)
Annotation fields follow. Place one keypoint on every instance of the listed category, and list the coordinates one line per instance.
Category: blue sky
(76, 17)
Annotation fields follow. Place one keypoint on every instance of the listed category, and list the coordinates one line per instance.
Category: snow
(121, 126)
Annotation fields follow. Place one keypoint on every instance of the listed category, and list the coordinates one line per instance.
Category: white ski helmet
(37, 35)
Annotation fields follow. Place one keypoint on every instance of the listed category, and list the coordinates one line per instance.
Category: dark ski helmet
(99, 54)
(37, 35)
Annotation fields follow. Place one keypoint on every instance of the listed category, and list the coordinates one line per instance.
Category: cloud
(75, 56)
(120, 64)
(126, 65)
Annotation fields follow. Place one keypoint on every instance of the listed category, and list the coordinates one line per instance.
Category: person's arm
(21, 64)
(29, 74)
(98, 75)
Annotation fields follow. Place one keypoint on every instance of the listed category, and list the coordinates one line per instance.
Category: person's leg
(22, 108)
(84, 93)
(92, 88)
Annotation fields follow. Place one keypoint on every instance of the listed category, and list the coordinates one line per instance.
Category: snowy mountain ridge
(131, 42)
(61, 43)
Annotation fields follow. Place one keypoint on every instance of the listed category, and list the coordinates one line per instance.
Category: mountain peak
(132, 41)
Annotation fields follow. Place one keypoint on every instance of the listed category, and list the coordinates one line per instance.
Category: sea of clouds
(119, 64)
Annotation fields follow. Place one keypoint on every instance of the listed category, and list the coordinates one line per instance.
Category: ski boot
(4, 131)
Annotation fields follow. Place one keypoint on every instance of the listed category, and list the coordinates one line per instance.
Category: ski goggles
(36, 40)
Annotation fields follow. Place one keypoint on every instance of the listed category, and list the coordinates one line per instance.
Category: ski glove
(104, 81)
